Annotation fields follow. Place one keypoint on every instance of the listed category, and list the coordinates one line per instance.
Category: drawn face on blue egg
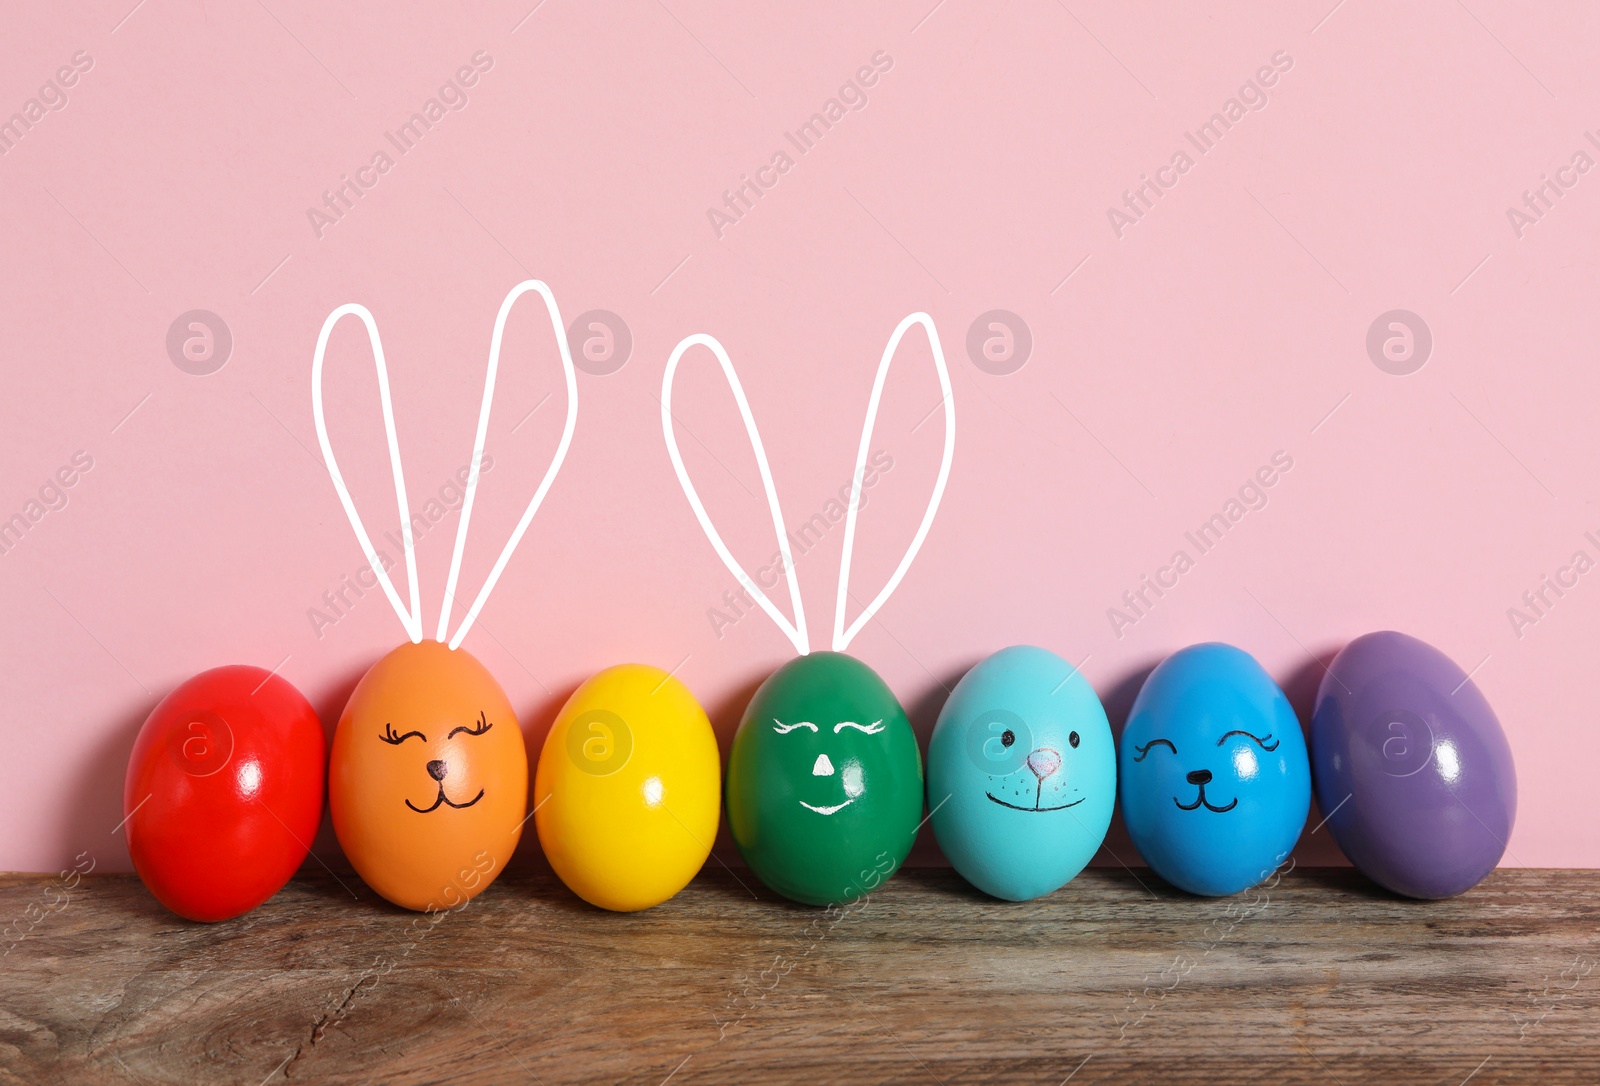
(1213, 772)
(1021, 774)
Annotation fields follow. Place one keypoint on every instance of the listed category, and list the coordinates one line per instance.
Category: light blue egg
(1213, 773)
(1022, 774)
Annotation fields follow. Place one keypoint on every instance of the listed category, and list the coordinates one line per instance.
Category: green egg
(824, 786)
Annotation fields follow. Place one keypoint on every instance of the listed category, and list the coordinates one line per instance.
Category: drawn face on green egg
(824, 791)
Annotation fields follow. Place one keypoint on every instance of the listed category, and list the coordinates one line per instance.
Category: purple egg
(1413, 767)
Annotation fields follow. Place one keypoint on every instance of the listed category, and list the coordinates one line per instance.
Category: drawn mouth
(446, 800)
(835, 809)
(1201, 799)
(1032, 810)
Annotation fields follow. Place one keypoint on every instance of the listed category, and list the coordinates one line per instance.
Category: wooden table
(1116, 978)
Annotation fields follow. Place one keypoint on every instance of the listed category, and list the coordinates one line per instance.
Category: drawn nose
(1200, 776)
(437, 770)
(1044, 762)
(823, 767)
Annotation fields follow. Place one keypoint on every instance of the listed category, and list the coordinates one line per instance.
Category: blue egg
(1022, 774)
(1213, 771)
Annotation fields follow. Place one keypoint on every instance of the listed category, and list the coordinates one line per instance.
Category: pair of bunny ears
(796, 631)
(411, 615)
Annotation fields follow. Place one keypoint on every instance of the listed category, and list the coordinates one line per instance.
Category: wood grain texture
(1321, 979)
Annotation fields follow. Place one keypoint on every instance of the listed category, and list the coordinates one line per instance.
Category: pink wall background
(1168, 363)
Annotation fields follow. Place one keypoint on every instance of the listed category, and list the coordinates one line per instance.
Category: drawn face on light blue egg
(1021, 774)
(1213, 772)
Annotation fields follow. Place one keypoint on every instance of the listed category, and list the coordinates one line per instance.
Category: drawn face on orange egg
(428, 780)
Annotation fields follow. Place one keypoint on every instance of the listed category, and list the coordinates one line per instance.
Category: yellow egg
(628, 791)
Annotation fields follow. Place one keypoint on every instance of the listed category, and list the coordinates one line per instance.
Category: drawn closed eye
(1140, 752)
(871, 729)
(1262, 742)
(479, 728)
(785, 729)
(391, 738)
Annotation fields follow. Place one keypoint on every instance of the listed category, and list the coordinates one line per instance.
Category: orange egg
(428, 780)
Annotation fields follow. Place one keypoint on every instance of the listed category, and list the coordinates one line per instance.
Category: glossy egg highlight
(1212, 771)
(428, 781)
(1413, 767)
(628, 792)
(1022, 774)
(824, 790)
(224, 792)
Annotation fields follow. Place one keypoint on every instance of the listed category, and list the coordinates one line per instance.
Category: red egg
(224, 792)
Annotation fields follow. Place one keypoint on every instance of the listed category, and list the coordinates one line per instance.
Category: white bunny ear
(796, 632)
(410, 618)
(841, 636)
(477, 457)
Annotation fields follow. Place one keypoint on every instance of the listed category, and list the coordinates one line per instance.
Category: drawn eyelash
(390, 737)
(479, 728)
(1142, 751)
(871, 729)
(785, 729)
(1259, 741)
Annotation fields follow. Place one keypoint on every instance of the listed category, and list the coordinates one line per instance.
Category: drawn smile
(1201, 799)
(1031, 810)
(835, 809)
(446, 800)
